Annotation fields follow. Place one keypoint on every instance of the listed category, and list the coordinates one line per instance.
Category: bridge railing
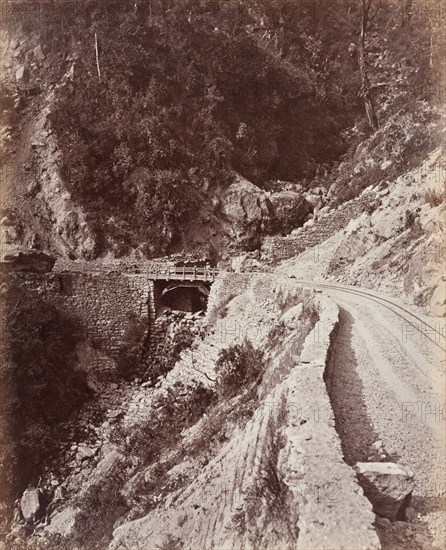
(158, 271)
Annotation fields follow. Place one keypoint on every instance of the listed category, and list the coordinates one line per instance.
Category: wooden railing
(168, 272)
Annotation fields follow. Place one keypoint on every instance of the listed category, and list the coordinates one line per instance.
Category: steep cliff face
(37, 207)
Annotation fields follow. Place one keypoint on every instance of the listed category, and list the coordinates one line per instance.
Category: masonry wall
(100, 301)
(279, 248)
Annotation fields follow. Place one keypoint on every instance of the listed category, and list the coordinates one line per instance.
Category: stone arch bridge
(101, 296)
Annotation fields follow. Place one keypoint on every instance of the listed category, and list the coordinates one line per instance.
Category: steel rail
(379, 300)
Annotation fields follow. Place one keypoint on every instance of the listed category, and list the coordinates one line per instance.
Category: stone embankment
(333, 512)
(276, 479)
(318, 230)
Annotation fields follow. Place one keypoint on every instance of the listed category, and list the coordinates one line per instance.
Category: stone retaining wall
(280, 248)
(100, 301)
(333, 511)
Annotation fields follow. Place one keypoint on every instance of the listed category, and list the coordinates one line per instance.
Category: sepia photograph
(222, 275)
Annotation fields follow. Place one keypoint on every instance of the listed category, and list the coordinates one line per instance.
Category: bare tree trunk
(97, 54)
(431, 56)
(365, 91)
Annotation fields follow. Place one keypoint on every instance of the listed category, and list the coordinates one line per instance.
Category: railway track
(437, 337)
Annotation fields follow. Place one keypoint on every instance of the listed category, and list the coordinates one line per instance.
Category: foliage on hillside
(239, 365)
(183, 93)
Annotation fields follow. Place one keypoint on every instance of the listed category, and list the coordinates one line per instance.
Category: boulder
(247, 209)
(290, 210)
(291, 317)
(316, 201)
(84, 452)
(385, 164)
(388, 486)
(59, 494)
(111, 458)
(387, 223)
(114, 416)
(30, 504)
(38, 53)
(62, 522)
(33, 187)
(22, 75)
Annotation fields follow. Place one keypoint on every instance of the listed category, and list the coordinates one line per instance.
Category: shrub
(178, 408)
(101, 506)
(239, 365)
(434, 197)
(409, 219)
(157, 441)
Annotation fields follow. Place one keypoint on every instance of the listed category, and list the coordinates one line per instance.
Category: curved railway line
(396, 309)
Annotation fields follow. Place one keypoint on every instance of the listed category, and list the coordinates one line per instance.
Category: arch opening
(188, 296)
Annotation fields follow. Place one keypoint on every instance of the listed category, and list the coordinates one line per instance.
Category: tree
(365, 91)
(406, 7)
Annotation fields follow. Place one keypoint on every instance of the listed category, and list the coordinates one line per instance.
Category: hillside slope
(132, 151)
(397, 246)
(217, 452)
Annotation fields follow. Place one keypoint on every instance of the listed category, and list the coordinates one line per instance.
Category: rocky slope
(189, 460)
(240, 468)
(396, 246)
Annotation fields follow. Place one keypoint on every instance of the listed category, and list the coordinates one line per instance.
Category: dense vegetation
(180, 94)
(183, 100)
(239, 365)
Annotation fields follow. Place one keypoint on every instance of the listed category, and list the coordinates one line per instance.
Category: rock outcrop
(253, 212)
(388, 486)
(290, 210)
(30, 504)
(247, 209)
